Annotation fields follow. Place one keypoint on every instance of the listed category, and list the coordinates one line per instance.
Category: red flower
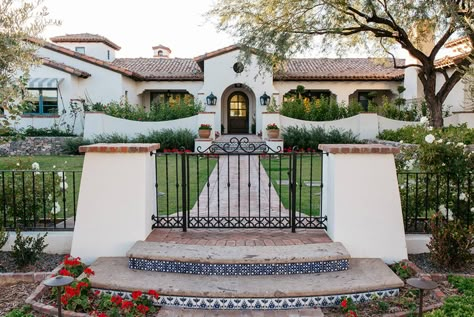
(116, 300)
(64, 299)
(143, 309)
(136, 295)
(127, 304)
(88, 271)
(65, 272)
(82, 284)
(344, 303)
(351, 313)
(97, 293)
(71, 291)
(101, 315)
(153, 293)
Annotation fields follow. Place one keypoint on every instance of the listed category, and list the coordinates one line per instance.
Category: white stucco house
(82, 68)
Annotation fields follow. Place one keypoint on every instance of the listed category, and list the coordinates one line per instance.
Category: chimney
(161, 51)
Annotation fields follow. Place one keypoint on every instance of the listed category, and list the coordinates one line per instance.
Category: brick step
(238, 260)
(365, 279)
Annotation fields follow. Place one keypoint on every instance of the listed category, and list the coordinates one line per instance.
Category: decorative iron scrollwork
(243, 145)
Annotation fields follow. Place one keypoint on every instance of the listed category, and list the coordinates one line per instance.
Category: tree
(19, 20)
(285, 27)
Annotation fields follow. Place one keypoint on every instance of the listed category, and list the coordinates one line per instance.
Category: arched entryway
(238, 113)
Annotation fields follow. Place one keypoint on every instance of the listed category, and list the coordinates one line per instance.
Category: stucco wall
(98, 123)
(97, 50)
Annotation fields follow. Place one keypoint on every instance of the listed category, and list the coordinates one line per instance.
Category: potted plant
(273, 131)
(204, 131)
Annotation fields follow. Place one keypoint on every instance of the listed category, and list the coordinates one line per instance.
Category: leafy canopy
(19, 20)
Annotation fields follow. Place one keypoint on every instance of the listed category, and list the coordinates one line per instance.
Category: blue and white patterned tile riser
(260, 303)
(238, 269)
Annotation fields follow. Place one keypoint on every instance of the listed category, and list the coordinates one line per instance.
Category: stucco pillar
(116, 200)
(362, 200)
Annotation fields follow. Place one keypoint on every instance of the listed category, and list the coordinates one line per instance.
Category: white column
(362, 200)
(116, 200)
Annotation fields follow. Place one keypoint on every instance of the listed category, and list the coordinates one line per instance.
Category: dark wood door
(238, 113)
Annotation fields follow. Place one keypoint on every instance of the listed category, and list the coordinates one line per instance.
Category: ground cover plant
(461, 305)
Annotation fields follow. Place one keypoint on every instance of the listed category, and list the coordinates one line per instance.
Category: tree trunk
(433, 101)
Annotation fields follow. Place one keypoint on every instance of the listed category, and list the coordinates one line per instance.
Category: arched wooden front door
(238, 113)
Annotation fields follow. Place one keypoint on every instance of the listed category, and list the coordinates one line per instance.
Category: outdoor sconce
(264, 99)
(211, 100)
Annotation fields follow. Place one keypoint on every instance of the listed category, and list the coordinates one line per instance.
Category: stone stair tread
(364, 275)
(184, 312)
(239, 254)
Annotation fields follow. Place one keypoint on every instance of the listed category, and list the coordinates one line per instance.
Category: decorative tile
(260, 303)
(238, 269)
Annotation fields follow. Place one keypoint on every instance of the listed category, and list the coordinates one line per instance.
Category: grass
(308, 198)
(169, 168)
(60, 163)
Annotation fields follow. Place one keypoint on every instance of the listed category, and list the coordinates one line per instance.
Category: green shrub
(25, 311)
(28, 193)
(464, 284)
(26, 249)
(416, 134)
(305, 138)
(3, 237)
(52, 132)
(171, 110)
(451, 242)
(111, 138)
(71, 146)
(402, 270)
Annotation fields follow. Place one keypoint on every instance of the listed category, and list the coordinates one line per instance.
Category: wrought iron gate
(239, 185)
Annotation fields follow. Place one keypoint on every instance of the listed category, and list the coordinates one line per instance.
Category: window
(160, 53)
(81, 49)
(161, 97)
(108, 55)
(43, 101)
(238, 106)
(365, 97)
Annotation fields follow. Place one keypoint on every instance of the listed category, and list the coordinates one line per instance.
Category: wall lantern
(264, 99)
(211, 100)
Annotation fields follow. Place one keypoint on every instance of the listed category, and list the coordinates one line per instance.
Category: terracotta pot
(204, 134)
(273, 133)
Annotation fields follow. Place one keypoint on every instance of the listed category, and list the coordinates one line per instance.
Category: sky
(138, 25)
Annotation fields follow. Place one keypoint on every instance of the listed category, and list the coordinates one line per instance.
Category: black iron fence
(424, 194)
(239, 185)
(38, 200)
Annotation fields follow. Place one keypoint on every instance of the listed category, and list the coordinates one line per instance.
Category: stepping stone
(312, 184)
(283, 182)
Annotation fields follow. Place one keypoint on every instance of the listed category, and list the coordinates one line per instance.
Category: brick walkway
(239, 186)
(239, 237)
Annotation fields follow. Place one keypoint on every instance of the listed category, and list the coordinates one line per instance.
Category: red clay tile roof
(84, 38)
(65, 68)
(218, 52)
(339, 69)
(162, 68)
(461, 40)
(449, 61)
(161, 46)
(86, 58)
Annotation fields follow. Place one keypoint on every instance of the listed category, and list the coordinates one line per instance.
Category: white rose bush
(30, 197)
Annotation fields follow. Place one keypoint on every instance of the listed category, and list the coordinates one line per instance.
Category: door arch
(238, 113)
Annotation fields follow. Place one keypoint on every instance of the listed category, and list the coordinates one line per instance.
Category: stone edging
(48, 309)
(30, 277)
(437, 277)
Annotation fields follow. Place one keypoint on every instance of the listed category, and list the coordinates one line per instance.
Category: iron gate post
(293, 191)
(184, 190)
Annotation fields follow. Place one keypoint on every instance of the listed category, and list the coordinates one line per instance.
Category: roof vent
(161, 51)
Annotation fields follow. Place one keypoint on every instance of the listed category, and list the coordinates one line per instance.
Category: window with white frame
(80, 49)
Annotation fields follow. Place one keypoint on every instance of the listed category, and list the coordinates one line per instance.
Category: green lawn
(61, 163)
(169, 178)
(308, 198)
